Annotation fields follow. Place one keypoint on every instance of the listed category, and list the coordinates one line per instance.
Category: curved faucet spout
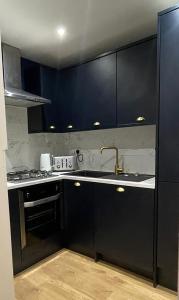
(118, 170)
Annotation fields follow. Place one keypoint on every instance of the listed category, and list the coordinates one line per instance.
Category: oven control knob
(27, 195)
(58, 166)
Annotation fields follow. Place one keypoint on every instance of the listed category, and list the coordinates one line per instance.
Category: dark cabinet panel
(15, 230)
(168, 215)
(118, 89)
(169, 91)
(124, 223)
(98, 92)
(87, 95)
(70, 106)
(136, 84)
(79, 215)
(49, 91)
(42, 81)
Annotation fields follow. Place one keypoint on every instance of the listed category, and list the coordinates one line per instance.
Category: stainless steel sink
(128, 177)
(94, 174)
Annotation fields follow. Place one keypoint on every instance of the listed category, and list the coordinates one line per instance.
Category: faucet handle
(118, 170)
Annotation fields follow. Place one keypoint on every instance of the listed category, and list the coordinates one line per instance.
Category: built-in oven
(41, 221)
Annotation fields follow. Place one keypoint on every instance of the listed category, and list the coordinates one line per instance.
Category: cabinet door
(169, 91)
(41, 80)
(79, 210)
(98, 92)
(49, 91)
(87, 95)
(70, 106)
(15, 230)
(136, 84)
(124, 226)
(168, 214)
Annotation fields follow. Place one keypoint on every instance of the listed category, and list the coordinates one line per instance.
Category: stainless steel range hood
(14, 94)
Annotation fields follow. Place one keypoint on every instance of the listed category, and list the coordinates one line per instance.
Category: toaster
(64, 163)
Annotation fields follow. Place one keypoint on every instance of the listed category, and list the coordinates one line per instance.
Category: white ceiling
(93, 26)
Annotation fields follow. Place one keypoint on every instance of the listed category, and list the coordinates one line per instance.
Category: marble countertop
(149, 183)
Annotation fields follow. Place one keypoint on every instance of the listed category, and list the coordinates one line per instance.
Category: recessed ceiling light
(61, 31)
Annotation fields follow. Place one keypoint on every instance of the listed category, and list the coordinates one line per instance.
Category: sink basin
(110, 175)
(128, 177)
(94, 174)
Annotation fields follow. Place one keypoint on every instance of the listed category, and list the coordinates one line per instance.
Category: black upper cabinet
(79, 211)
(49, 91)
(87, 95)
(42, 81)
(169, 102)
(124, 224)
(136, 84)
(168, 213)
(70, 108)
(114, 90)
(15, 230)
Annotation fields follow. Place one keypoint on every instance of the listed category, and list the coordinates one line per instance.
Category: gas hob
(28, 175)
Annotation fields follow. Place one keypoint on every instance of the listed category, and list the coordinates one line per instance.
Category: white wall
(136, 145)
(6, 276)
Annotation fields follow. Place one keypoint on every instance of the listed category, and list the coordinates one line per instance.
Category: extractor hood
(14, 94)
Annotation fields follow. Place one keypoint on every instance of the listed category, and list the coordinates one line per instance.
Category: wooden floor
(70, 276)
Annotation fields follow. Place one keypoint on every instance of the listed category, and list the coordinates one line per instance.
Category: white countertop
(149, 184)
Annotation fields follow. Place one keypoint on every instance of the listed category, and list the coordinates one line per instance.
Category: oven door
(41, 222)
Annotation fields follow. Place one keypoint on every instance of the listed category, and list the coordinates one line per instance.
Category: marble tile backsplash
(136, 145)
(132, 161)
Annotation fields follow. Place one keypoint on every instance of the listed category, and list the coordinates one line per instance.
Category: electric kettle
(46, 162)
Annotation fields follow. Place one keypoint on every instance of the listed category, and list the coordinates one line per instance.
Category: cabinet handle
(77, 184)
(120, 189)
(96, 123)
(52, 127)
(70, 126)
(140, 119)
(22, 221)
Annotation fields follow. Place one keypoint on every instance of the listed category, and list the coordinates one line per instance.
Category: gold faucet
(117, 170)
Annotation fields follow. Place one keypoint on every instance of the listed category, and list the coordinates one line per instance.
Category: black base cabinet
(124, 225)
(168, 215)
(79, 212)
(15, 230)
(98, 219)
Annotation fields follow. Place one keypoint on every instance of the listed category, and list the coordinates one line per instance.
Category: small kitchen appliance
(45, 162)
(64, 163)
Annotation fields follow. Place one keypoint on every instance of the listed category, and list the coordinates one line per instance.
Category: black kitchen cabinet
(169, 90)
(87, 95)
(15, 230)
(42, 81)
(168, 148)
(79, 216)
(124, 226)
(136, 84)
(114, 90)
(168, 216)
(70, 106)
